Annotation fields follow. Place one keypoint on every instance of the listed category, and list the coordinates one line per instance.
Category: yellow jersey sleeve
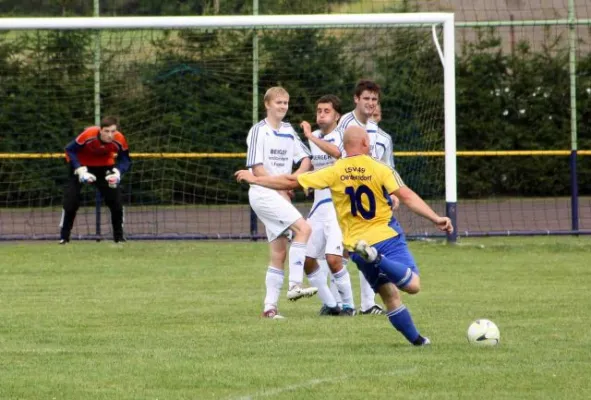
(320, 179)
(392, 180)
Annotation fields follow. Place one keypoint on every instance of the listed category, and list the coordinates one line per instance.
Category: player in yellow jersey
(360, 186)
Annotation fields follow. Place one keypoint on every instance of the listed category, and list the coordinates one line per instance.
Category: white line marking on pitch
(314, 382)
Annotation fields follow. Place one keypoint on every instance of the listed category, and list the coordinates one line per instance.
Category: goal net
(183, 90)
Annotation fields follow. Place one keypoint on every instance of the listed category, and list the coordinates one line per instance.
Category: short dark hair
(332, 99)
(110, 120)
(366, 84)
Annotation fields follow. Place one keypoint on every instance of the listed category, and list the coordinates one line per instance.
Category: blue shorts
(395, 249)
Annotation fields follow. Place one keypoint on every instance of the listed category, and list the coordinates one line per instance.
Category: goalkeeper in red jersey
(98, 156)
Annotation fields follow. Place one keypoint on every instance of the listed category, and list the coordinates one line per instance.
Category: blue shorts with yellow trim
(395, 249)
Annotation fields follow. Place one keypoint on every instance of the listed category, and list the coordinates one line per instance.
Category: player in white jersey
(377, 118)
(366, 97)
(326, 242)
(273, 149)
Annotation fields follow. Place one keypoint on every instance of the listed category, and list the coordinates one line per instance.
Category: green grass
(180, 320)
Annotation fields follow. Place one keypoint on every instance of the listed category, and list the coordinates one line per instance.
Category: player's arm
(319, 179)
(388, 156)
(302, 154)
(388, 159)
(255, 151)
(123, 161)
(123, 158)
(420, 207)
(395, 200)
(277, 182)
(259, 170)
(323, 145)
(72, 150)
(395, 186)
(305, 166)
(326, 147)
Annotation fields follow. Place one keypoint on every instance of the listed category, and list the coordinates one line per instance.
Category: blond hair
(274, 92)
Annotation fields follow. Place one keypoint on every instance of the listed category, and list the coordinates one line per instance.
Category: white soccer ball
(483, 332)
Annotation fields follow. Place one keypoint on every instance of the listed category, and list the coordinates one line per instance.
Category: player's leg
(274, 276)
(334, 256)
(368, 303)
(345, 261)
(367, 295)
(332, 285)
(297, 255)
(393, 258)
(317, 278)
(277, 214)
(113, 200)
(71, 203)
(398, 251)
(397, 313)
(342, 282)
(399, 316)
(317, 275)
(264, 202)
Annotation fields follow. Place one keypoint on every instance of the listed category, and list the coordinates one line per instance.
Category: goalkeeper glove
(113, 178)
(84, 176)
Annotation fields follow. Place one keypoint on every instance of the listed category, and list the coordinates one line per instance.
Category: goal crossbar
(228, 22)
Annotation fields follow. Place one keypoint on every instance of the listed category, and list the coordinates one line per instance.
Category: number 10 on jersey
(356, 198)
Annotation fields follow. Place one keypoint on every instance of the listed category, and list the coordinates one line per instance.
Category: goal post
(186, 159)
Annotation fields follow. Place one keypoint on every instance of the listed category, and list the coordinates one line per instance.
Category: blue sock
(398, 273)
(402, 321)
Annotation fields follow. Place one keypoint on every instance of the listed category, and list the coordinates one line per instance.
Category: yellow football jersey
(360, 187)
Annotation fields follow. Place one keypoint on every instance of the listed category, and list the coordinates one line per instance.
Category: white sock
(318, 280)
(343, 283)
(367, 293)
(331, 284)
(273, 282)
(297, 255)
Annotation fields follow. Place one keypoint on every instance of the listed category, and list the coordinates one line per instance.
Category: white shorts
(274, 211)
(326, 237)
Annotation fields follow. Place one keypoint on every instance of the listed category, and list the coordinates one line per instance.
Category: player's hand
(113, 178)
(395, 202)
(84, 176)
(307, 128)
(244, 176)
(444, 224)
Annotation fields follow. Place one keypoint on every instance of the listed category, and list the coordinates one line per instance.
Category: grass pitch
(180, 320)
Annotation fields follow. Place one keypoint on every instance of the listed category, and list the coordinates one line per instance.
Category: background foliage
(505, 100)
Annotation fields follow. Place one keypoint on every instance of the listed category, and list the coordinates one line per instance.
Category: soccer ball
(483, 332)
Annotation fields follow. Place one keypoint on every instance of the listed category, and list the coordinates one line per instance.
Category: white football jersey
(380, 143)
(320, 160)
(384, 147)
(277, 151)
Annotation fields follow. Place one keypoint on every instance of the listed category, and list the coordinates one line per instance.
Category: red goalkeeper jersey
(88, 150)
